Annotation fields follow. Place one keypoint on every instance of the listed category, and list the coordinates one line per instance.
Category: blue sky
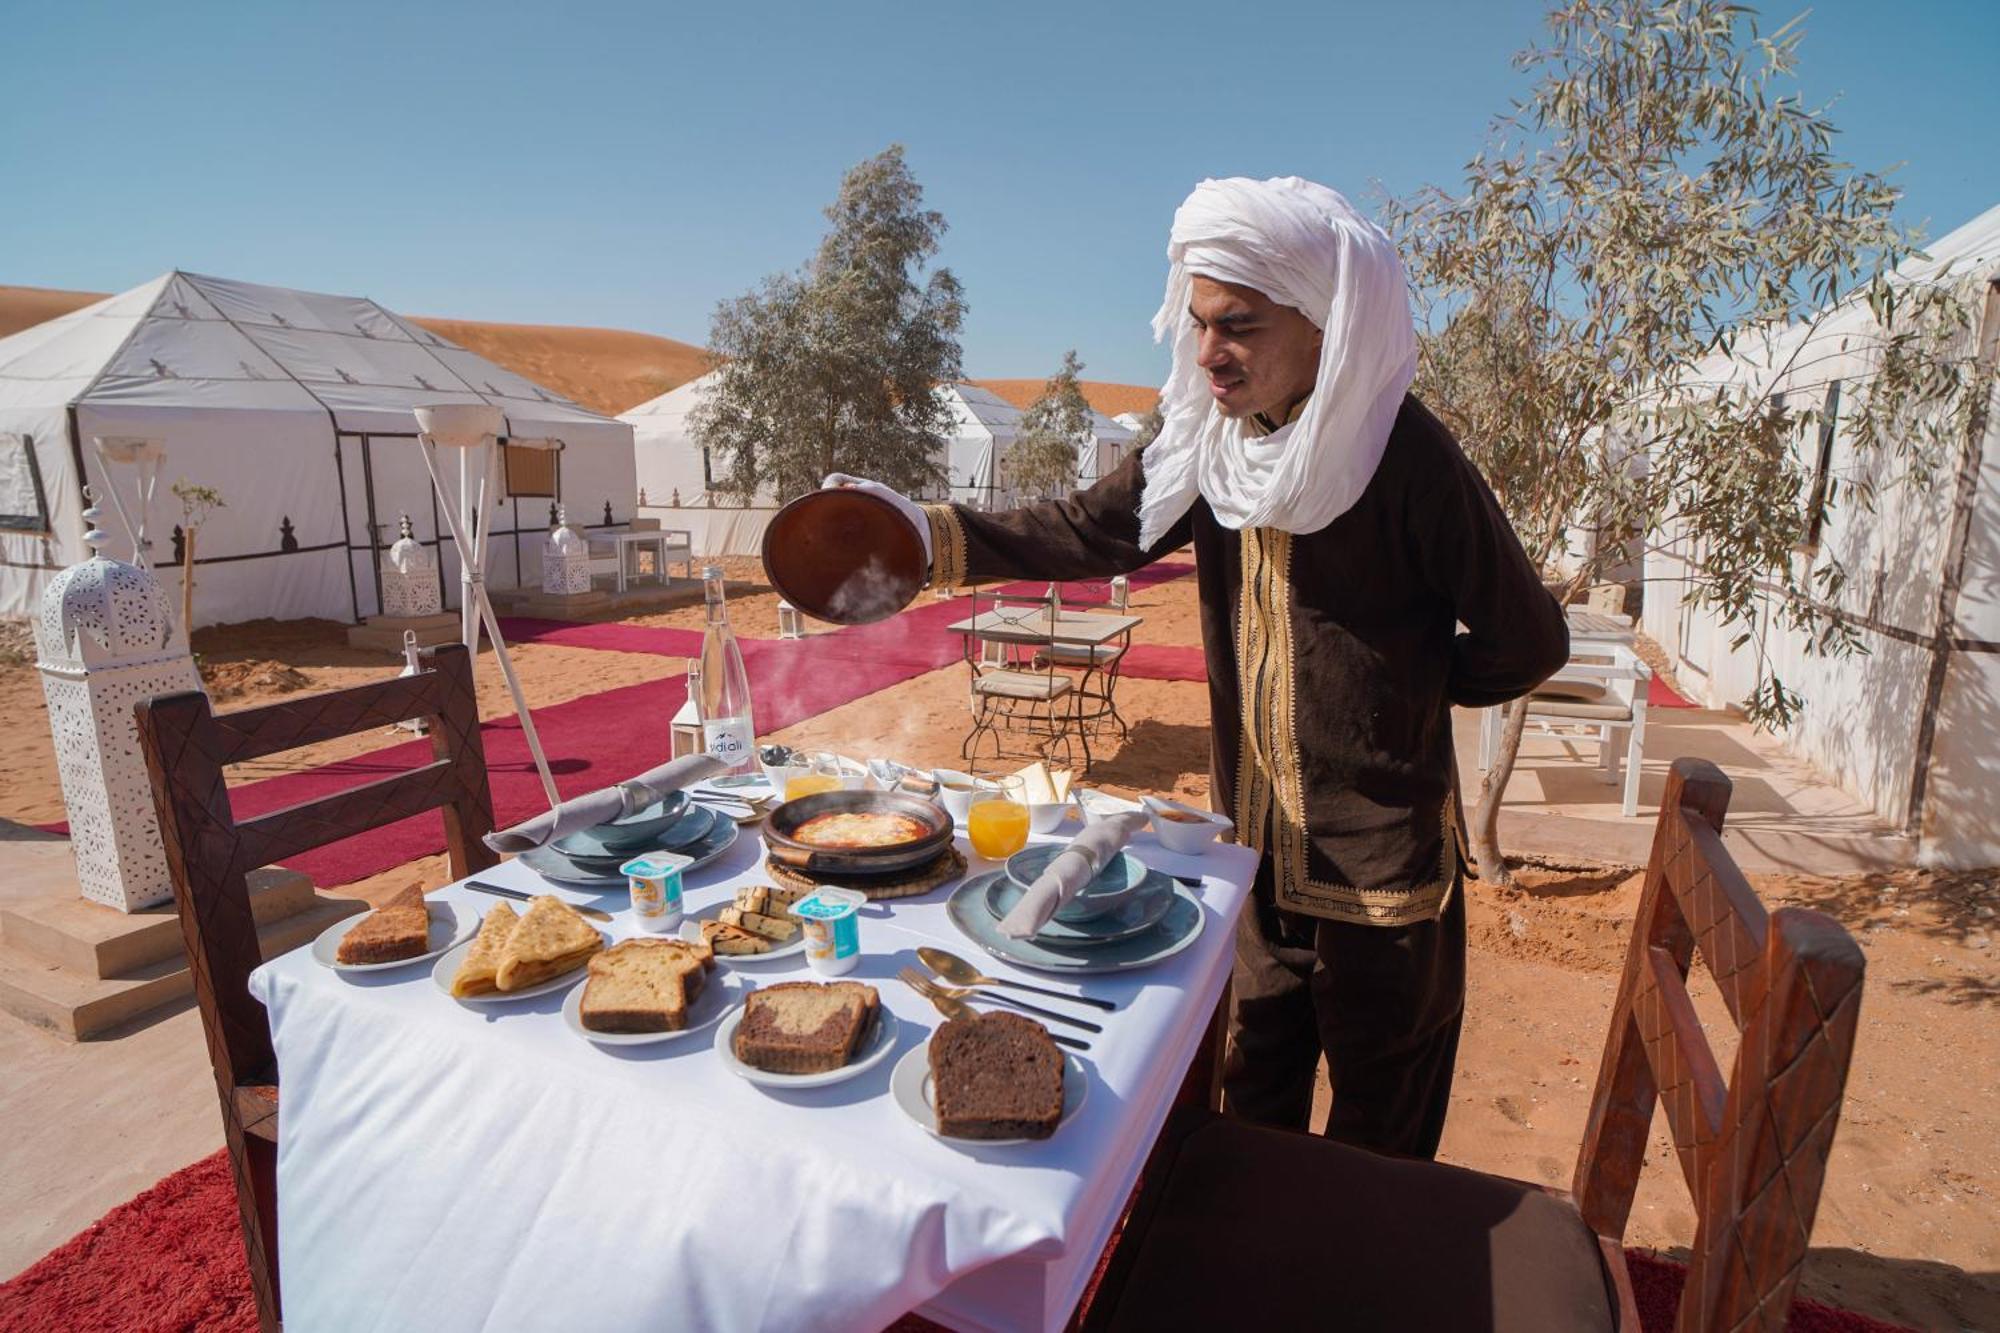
(631, 165)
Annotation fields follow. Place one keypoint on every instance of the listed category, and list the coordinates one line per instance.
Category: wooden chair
(1239, 1226)
(209, 852)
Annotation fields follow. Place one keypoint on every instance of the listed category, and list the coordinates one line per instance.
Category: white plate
(713, 912)
(910, 1085)
(875, 1048)
(447, 968)
(721, 994)
(450, 925)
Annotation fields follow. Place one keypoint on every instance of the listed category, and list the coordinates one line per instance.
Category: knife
(498, 891)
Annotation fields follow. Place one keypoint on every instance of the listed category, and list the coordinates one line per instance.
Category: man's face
(1259, 356)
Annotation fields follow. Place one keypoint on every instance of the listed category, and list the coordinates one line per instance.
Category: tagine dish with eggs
(846, 829)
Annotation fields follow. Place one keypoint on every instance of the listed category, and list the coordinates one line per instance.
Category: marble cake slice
(998, 1076)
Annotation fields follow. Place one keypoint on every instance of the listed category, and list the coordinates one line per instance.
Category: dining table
(462, 1166)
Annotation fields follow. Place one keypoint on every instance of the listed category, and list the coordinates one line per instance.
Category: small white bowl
(1047, 816)
(958, 801)
(1188, 836)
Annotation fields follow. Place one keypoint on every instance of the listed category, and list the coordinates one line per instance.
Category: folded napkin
(606, 803)
(1075, 866)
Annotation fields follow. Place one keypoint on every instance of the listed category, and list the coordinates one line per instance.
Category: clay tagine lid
(844, 556)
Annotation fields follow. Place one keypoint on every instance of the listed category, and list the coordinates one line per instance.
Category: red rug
(1097, 592)
(171, 1261)
(609, 637)
(1659, 694)
(1161, 661)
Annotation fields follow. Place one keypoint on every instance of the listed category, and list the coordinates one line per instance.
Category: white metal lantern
(106, 640)
(790, 626)
(410, 586)
(565, 559)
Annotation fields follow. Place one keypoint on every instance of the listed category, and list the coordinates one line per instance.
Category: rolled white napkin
(606, 803)
(1075, 866)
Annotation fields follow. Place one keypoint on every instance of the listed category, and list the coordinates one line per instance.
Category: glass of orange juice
(815, 773)
(997, 821)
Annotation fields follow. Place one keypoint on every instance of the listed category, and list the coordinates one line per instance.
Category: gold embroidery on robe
(947, 546)
(1270, 783)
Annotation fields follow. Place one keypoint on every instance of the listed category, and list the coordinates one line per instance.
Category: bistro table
(665, 548)
(1089, 635)
(1590, 630)
(484, 1167)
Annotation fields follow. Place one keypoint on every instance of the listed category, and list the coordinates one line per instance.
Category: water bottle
(727, 731)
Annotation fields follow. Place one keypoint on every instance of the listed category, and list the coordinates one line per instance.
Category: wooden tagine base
(912, 883)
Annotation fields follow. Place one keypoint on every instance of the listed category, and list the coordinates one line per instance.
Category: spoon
(961, 973)
(954, 1008)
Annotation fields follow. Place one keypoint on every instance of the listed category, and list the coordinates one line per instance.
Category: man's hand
(905, 506)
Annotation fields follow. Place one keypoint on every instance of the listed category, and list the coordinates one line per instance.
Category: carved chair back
(1753, 1149)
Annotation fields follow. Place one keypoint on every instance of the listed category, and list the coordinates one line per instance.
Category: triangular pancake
(478, 970)
(550, 940)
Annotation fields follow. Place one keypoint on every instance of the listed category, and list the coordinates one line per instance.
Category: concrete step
(100, 942)
(78, 1006)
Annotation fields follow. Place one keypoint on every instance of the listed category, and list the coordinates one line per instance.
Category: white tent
(985, 428)
(1912, 725)
(296, 407)
(678, 484)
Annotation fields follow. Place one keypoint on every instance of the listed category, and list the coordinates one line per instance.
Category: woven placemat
(949, 866)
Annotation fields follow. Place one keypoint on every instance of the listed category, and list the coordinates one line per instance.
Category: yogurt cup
(655, 883)
(831, 922)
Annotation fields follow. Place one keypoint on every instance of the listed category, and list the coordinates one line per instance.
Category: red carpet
(172, 1259)
(1097, 592)
(609, 637)
(1160, 661)
(1659, 694)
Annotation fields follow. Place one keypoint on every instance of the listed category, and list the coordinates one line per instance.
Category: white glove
(904, 505)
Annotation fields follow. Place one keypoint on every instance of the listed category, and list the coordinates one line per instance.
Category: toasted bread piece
(733, 941)
(550, 940)
(399, 929)
(779, 928)
(805, 1027)
(778, 899)
(481, 965)
(644, 986)
(754, 898)
(997, 1076)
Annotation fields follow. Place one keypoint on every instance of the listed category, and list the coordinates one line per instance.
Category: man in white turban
(1341, 539)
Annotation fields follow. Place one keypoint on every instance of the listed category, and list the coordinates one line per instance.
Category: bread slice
(997, 1076)
(481, 965)
(550, 940)
(644, 986)
(778, 899)
(805, 1027)
(733, 941)
(754, 898)
(399, 929)
(782, 929)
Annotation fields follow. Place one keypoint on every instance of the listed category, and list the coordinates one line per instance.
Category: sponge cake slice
(399, 929)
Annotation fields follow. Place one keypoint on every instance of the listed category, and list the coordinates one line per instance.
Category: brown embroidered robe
(1333, 657)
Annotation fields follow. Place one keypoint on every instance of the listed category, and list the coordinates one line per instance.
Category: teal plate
(1137, 911)
(1175, 931)
(590, 844)
(552, 865)
(1108, 888)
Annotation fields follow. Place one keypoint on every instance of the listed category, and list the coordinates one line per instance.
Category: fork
(952, 1008)
(920, 981)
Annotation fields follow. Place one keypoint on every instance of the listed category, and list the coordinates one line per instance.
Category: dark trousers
(1383, 1003)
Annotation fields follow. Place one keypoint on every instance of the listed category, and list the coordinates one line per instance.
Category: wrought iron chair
(1240, 1226)
(209, 852)
(1015, 686)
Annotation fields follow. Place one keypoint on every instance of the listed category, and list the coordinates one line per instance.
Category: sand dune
(609, 370)
(1108, 398)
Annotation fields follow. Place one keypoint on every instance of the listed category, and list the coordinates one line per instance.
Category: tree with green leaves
(1149, 427)
(1660, 192)
(1054, 430)
(835, 368)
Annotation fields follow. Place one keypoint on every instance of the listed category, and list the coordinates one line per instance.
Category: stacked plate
(590, 858)
(1127, 916)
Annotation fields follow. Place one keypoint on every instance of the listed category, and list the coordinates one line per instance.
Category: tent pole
(471, 548)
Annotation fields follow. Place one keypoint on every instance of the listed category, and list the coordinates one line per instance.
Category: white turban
(1304, 246)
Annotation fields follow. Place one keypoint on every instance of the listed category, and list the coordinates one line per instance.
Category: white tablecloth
(450, 1167)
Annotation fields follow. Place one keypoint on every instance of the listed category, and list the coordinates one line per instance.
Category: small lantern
(565, 560)
(790, 626)
(107, 639)
(687, 737)
(1121, 591)
(410, 578)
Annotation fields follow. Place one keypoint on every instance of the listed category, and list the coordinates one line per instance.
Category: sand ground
(1907, 1225)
